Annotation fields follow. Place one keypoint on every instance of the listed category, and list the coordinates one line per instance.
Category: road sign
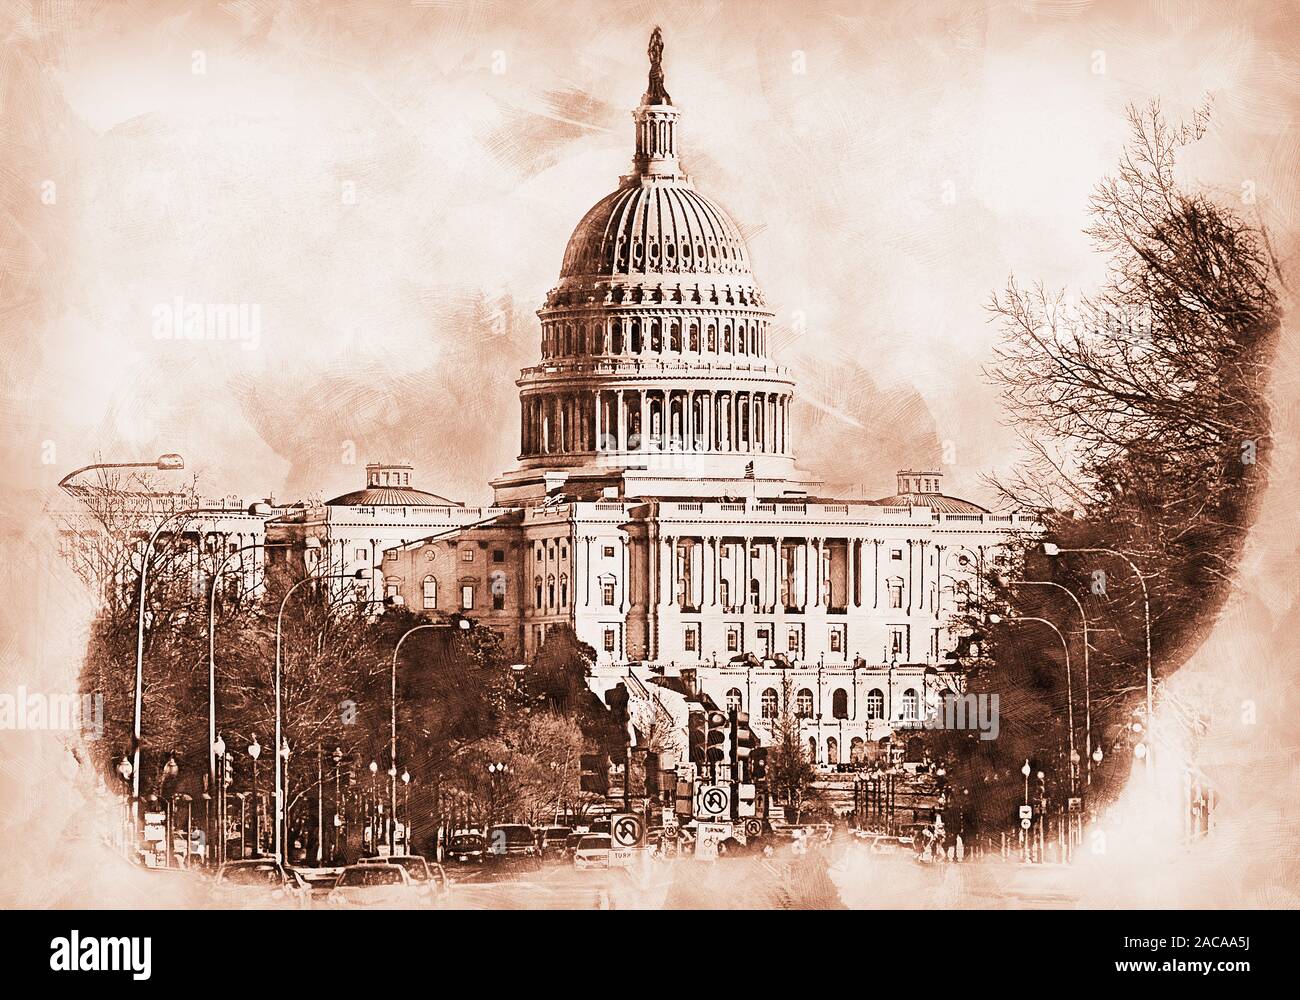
(1025, 824)
(1026, 812)
(713, 800)
(708, 837)
(1075, 803)
(627, 830)
(753, 828)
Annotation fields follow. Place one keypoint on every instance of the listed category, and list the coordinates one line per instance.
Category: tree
(790, 772)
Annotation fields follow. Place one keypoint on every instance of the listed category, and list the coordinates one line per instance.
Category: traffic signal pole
(735, 769)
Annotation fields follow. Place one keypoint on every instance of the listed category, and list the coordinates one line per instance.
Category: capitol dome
(654, 377)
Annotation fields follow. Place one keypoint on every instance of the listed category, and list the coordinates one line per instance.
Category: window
(390, 587)
(803, 704)
(897, 642)
(608, 552)
(467, 597)
(724, 593)
(875, 704)
(430, 593)
(564, 590)
(498, 555)
(498, 601)
(840, 704)
(910, 704)
(768, 703)
(896, 554)
(792, 641)
(564, 552)
(607, 594)
(837, 640)
(896, 594)
(691, 638)
(733, 638)
(361, 555)
(537, 591)
(609, 640)
(550, 591)
(734, 700)
(466, 555)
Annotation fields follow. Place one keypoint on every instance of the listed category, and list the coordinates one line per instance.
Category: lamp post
(169, 772)
(124, 770)
(219, 751)
(337, 757)
(283, 763)
(255, 751)
(463, 624)
(1052, 549)
(406, 808)
(1087, 683)
(374, 811)
(1024, 833)
(279, 735)
(139, 637)
(1069, 687)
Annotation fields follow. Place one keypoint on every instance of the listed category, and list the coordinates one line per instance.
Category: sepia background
(392, 185)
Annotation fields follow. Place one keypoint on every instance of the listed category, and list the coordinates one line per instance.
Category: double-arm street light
(1052, 549)
(463, 624)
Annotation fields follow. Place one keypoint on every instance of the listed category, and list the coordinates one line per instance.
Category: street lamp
(337, 757)
(463, 624)
(219, 753)
(124, 770)
(1052, 549)
(374, 812)
(406, 808)
(255, 751)
(169, 773)
(283, 763)
(163, 463)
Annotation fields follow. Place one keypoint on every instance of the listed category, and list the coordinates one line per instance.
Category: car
(258, 882)
(511, 840)
(373, 884)
(571, 842)
(593, 851)
(552, 840)
(466, 848)
(889, 845)
(429, 879)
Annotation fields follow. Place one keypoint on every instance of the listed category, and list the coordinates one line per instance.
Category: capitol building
(657, 509)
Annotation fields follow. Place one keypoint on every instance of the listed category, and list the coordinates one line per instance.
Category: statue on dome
(655, 93)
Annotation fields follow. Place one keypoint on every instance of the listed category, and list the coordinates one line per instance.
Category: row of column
(622, 420)
(634, 337)
(694, 573)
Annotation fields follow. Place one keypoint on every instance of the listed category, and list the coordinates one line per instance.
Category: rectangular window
(895, 597)
(498, 555)
(896, 554)
(837, 641)
(609, 551)
(609, 640)
(467, 597)
(690, 639)
(733, 638)
(498, 602)
(466, 555)
(361, 555)
(607, 594)
(898, 642)
(792, 641)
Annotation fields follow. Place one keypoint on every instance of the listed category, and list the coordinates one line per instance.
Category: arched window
(675, 337)
(803, 704)
(875, 704)
(734, 700)
(537, 591)
(550, 591)
(564, 590)
(812, 749)
(430, 593)
(857, 751)
(910, 704)
(769, 703)
(832, 750)
(840, 704)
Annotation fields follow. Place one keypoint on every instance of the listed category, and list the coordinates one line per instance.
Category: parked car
(511, 840)
(466, 848)
(373, 884)
(551, 841)
(593, 851)
(259, 882)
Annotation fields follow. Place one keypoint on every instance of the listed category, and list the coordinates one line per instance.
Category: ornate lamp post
(219, 835)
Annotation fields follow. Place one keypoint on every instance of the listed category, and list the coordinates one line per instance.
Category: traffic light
(718, 746)
(595, 773)
(758, 764)
(743, 739)
(652, 785)
(695, 728)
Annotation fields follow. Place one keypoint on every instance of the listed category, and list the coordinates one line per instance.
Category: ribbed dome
(655, 227)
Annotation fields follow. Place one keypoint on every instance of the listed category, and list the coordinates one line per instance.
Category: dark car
(511, 840)
(466, 848)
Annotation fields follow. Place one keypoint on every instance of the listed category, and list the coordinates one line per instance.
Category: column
(817, 577)
(621, 444)
(688, 421)
(782, 587)
(852, 573)
(597, 430)
(706, 412)
(711, 553)
(642, 443)
(744, 583)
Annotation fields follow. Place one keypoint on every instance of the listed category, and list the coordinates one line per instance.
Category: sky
(390, 187)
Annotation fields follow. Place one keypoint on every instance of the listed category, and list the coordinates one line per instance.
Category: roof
(935, 501)
(391, 496)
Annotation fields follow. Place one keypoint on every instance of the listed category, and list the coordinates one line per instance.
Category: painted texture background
(392, 185)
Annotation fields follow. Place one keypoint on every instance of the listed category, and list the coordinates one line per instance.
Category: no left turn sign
(628, 830)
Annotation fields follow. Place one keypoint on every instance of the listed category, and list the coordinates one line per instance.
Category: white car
(593, 851)
(259, 883)
(380, 885)
(428, 879)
